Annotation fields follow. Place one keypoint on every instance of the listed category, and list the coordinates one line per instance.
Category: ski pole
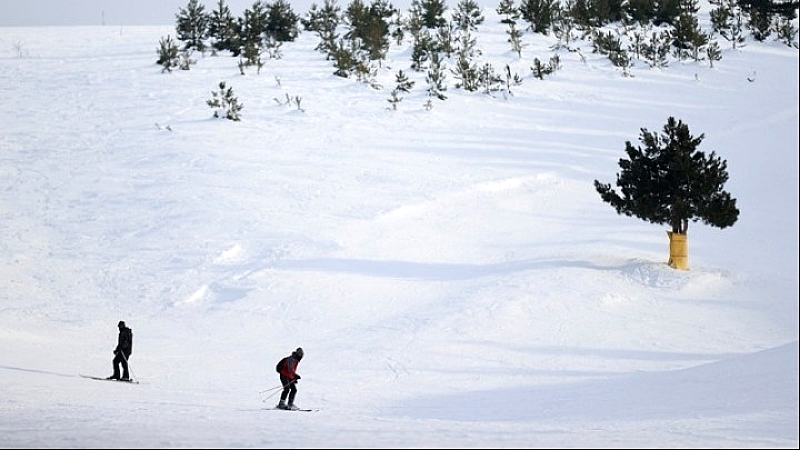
(130, 369)
(271, 389)
(274, 393)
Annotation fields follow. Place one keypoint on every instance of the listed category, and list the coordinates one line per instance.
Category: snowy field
(452, 274)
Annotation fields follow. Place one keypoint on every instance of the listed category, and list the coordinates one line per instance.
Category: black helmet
(299, 353)
(121, 324)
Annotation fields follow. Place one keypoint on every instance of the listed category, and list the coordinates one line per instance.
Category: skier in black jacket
(287, 368)
(123, 352)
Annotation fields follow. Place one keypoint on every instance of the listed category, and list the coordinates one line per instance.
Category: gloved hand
(297, 378)
(115, 352)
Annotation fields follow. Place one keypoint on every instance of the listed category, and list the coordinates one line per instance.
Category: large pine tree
(430, 12)
(282, 21)
(192, 26)
(468, 15)
(223, 28)
(254, 25)
(370, 25)
(670, 182)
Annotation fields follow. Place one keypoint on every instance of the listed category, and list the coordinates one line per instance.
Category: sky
(448, 267)
(112, 12)
(96, 12)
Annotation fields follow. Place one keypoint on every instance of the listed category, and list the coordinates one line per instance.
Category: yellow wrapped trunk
(678, 251)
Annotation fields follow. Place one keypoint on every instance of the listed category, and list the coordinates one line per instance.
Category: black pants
(121, 358)
(289, 390)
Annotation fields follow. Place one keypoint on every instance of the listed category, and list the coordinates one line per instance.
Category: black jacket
(125, 342)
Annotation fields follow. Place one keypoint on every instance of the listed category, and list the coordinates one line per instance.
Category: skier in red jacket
(287, 368)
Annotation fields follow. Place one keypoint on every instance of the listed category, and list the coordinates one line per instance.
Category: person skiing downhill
(123, 352)
(287, 368)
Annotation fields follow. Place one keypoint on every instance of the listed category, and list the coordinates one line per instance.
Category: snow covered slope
(452, 275)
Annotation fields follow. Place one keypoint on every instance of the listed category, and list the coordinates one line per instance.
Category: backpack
(280, 365)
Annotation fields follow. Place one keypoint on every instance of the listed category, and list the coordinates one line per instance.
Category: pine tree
(192, 26)
(370, 25)
(430, 12)
(622, 60)
(605, 43)
(687, 37)
(539, 14)
(225, 103)
(444, 38)
(403, 85)
(466, 70)
(489, 80)
(666, 12)
(395, 99)
(327, 17)
(281, 22)
(436, 77)
(563, 28)
(760, 25)
(540, 70)
(420, 52)
(713, 53)
(467, 45)
(787, 32)
(272, 47)
(656, 50)
(515, 38)
(324, 22)
(379, 31)
(604, 12)
(185, 60)
(640, 11)
(346, 57)
(670, 181)
(636, 44)
(251, 56)
(168, 54)
(222, 28)
(398, 27)
(506, 8)
(254, 25)
(727, 19)
(761, 14)
(579, 11)
(414, 23)
(468, 15)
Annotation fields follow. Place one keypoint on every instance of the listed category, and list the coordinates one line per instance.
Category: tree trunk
(680, 226)
(678, 251)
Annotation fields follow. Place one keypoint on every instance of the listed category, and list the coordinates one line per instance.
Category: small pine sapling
(403, 85)
(713, 53)
(515, 38)
(168, 54)
(225, 103)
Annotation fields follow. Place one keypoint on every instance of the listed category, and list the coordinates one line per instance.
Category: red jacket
(287, 367)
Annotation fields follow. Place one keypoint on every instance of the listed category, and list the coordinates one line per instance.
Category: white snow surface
(453, 276)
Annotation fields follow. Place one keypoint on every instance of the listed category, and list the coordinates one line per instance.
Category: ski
(108, 379)
(290, 410)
